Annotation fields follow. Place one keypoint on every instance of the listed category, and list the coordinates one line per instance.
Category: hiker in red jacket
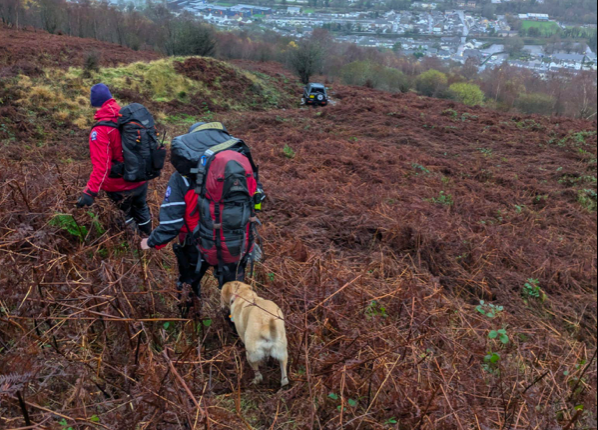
(106, 149)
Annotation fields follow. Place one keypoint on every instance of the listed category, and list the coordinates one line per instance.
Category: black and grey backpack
(143, 153)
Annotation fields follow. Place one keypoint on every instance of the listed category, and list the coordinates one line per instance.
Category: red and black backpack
(226, 182)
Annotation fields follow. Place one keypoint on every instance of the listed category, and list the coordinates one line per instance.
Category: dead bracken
(402, 310)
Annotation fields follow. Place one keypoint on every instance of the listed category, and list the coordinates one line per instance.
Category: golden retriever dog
(260, 325)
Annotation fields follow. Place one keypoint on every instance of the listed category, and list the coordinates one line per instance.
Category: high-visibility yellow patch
(209, 126)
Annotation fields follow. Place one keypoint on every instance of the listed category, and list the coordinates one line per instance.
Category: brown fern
(13, 382)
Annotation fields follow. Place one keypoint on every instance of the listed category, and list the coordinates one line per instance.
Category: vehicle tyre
(320, 98)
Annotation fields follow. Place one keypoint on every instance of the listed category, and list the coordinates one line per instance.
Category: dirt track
(389, 218)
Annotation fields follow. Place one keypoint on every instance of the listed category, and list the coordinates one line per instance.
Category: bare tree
(51, 14)
(306, 60)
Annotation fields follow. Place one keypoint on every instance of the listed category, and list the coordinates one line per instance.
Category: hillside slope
(401, 234)
(29, 51)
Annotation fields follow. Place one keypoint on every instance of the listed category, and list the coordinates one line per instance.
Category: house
(250, 10)
(371, 43)
(241, 12)
(507, 33)
(425, 6)
(472, 3)
(219, 11)
(473, 53)
(454, 41)
(294, 10)
(569, 58)
(534, 17)
(539, 17)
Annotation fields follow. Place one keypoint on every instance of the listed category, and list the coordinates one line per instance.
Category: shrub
(532, 291)
(514, 46)
(289, 152)
(91, 64)
(431, 83)
(372, 75)
(468, 94)
(358, 73)
(536, 103)
(394, 80)
(588, 199)
(68, 223)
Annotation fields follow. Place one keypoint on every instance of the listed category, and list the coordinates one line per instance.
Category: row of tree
(153, 28)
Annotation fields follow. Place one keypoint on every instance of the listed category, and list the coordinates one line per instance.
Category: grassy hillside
(436, 264)
(52, 107)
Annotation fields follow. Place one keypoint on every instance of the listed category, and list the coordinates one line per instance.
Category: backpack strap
(222, 147)
(209, 126)
(207, 158)
(110, 124)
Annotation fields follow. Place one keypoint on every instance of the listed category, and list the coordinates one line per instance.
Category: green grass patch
(588, 199)
(181, 119)
(546, 28)
(443, 199)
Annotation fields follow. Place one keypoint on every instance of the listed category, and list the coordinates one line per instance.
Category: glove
(86, 199)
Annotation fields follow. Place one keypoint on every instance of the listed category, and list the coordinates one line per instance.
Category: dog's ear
(226, 295)
(241, 287)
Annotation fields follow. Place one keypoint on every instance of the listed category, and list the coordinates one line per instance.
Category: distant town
(423, 31)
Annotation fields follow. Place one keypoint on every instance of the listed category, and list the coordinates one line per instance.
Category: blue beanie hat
(100, 94)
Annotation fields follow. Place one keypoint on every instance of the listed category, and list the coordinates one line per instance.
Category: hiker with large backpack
(125, 154)
(210, 203)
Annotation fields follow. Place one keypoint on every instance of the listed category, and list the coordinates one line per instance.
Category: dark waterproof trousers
(188, 257)
(133, 203)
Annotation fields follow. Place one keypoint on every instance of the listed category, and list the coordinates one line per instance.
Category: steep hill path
(436, 263)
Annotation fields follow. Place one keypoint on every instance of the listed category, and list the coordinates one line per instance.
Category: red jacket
(105, 146)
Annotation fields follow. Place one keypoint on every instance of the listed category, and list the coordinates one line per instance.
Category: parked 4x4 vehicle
(315, 95)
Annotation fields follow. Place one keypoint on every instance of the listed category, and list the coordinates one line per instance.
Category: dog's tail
(273, 331)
